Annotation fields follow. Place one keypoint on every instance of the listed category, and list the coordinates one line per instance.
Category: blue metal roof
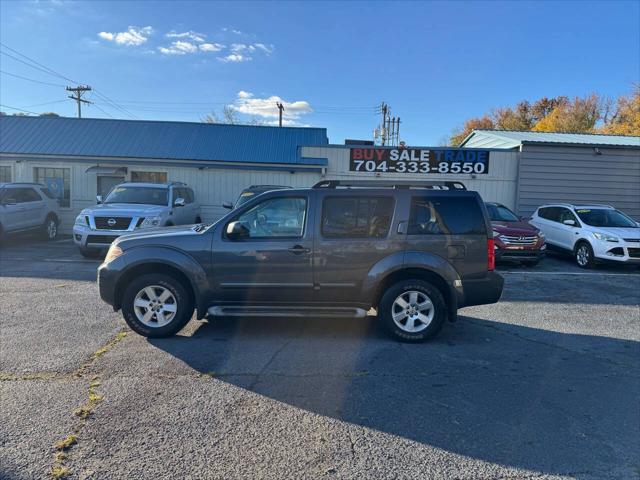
(513, 139)
(158, 140)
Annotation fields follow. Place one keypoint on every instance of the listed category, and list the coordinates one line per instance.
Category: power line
(79, 90)
(31, 79)
(18, 109)
(39, 66)
(103, 111)
(45, 103)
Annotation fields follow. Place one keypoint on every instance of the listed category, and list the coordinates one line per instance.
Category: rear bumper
(482, 291)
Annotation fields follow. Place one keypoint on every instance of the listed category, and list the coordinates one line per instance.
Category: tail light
(491, 254)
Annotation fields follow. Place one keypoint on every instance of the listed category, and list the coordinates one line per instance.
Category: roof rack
(400, 184)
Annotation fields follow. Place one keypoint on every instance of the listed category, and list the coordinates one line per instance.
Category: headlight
(151, 222)
(496, 234)
(606, 237)
(541, 235)
(113, 253)
(81, 221)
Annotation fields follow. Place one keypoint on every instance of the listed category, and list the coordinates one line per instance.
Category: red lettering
(368, 154)
(379, 153)
(356, 153)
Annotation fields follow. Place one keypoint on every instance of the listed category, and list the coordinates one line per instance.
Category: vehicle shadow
(521, 397)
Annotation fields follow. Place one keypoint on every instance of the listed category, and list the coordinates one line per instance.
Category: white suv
(28, 206)
(590, 232)
(132, 206)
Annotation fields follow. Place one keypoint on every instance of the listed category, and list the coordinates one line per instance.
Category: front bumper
(108, 276)
(95, 239)
(619, 252)
(523, 254)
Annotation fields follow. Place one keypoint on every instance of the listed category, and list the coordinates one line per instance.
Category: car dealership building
(81, 158)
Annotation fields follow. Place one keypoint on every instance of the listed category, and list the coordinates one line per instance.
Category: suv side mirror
(237, 231)
(228, 205)
(179, 202)
(571, 223)
(99, 199)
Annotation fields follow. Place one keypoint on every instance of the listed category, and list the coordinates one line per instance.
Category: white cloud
(179, 47)
(247, 104)
(134, 36)
(195, 36)
(211, 47)
(251, 47)
(235, 58)
(266, 49)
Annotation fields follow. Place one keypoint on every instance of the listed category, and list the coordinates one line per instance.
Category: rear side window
(356, 217)
(22, 195)
(550, 213)
(446, 216)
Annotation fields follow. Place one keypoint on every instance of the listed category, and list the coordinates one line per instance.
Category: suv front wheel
(413, 310)
(584, 255)
(156, 305)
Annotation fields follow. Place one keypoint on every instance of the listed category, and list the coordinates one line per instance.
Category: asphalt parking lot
(544, 384)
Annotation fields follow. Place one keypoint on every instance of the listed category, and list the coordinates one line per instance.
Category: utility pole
(79, 90)
(281, 109)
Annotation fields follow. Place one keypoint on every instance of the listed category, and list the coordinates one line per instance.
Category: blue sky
(434, 63)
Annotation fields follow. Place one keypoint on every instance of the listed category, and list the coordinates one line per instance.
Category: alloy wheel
(582, 255)
(52, 229)
(155, 306)
(412, 311)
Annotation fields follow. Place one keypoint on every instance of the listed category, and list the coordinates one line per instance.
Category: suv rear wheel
(413, 310)
(156, 305)
(50, 227)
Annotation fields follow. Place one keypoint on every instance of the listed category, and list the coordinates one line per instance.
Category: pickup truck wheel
(413, 310)
(584, 255)
(156, 305)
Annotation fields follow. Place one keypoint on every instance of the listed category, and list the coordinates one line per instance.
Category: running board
(298, 312)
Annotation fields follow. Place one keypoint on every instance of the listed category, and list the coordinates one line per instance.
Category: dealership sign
(418, 160)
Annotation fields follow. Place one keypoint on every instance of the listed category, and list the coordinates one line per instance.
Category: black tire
(2, 235)
(583, 255)
(183, 313)
(50, 227)
(90, 252)
(386, 307)
(198, 220)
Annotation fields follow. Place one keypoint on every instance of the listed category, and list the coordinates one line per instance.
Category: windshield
(605, 217)
(141, 195)
(498, 213)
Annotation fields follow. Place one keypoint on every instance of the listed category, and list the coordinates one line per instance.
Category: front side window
(141, 195)
(276, 217)
(605, 217)
(356, 217)
(149, 177)
(58, 181)
(5, 174)
(446, 216)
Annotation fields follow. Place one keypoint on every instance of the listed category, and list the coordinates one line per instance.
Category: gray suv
(130, 207)
(28, 207)
(415, 253)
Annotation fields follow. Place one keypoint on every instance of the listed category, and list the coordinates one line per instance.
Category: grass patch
(60, 471)
(66, 443)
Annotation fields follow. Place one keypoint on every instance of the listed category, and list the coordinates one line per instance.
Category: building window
(356, 217)
(5, 174)
(149, 177)
(58, 181)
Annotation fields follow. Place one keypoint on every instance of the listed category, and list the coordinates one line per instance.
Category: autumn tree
(577, 116)
(482, 123)
(625, 119)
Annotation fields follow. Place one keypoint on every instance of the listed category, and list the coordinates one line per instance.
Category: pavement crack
(62, 449)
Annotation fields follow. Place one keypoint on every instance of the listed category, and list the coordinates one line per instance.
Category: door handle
(298, 249)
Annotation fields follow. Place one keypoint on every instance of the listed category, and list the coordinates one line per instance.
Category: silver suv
(28, 206)
(132, 206)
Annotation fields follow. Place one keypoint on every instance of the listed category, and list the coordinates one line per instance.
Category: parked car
(590, 233)
(130, 207)
(515, 238)
(28, 207)
(416, 255)
(250, 192)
